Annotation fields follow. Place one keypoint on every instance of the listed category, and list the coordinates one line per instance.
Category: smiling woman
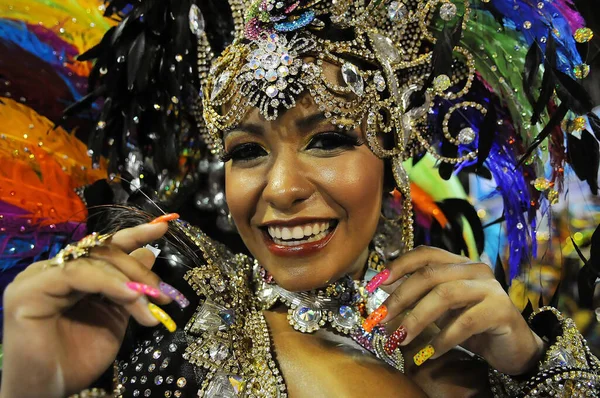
(316, 109)
(305, 196)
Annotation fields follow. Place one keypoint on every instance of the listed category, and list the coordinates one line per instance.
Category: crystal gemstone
(397, 11)
(197, 24)
(353, 79)
(307, 314)
(466, 135)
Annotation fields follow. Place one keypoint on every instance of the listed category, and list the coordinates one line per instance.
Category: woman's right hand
(63, 326)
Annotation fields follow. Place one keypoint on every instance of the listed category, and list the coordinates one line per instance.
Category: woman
(313, 111)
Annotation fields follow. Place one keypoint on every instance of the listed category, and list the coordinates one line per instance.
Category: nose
(286, 184)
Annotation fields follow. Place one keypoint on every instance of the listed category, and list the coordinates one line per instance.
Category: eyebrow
(303, 124)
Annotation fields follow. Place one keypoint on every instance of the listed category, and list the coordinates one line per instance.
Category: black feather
(547, 88)
(528, 310)
(554, 300)
(116, 35)
(99, 48)
(586, 279)
(584, 158)
(500, 274)
(595, 123)
(498, 220)
(487, 131)
(84, 102)
(465, 209)
(572, 93)
(533, 60)
(555, 120)
(134, 59)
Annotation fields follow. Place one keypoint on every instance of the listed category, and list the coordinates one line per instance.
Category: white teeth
(305, 233)
(286, 234)
(297, 233)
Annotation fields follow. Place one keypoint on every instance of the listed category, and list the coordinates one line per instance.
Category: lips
(300, 239)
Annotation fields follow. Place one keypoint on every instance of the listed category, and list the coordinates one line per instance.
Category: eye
(332, 140)
(244, 152)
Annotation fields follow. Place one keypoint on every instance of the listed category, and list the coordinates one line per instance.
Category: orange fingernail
(375, 317)
(423, 355)
(165, 218)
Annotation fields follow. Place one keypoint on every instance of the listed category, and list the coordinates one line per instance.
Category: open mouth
(290, 236)
(301, 238)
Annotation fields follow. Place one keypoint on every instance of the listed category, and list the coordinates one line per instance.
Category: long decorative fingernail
(163, 317)
(423, 355)
(377, 280)
(145, 289)
(174, 294)
(156, 251)
(375, 317)
(394, 340)
(165, 218)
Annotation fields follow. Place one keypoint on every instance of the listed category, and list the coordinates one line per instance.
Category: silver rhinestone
(447, 11)
(197, 24)
(158, 380)
(466, 136)
(397, 11)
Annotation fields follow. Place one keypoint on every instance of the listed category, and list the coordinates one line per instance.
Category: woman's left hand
(466, 302)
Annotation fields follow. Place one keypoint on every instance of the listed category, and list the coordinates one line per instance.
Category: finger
(146, 280)
(471, 322)
(426, 278)
(418, 258)
(61, 288)
(130, 239)
(442, 299)
(55, 289)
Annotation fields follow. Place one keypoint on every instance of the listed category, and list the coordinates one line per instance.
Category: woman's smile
(299, 236)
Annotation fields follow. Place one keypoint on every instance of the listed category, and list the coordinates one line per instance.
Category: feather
(134, 59)
(584, 158)
(594, 121)
(557, 117)
(528, 310)
(547, 88)
(532, 65)
(466, 210)
(572, 93)
(500, 274)
(486, 135)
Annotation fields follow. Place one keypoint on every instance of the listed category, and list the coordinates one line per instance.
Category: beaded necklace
(342, 305)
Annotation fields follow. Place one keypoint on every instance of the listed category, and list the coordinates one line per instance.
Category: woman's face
(305, 197)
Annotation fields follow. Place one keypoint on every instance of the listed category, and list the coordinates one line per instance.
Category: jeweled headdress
(479, 85)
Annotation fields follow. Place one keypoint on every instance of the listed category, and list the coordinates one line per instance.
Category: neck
(357, 272)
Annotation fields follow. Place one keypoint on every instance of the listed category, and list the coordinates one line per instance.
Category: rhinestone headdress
(405, 69)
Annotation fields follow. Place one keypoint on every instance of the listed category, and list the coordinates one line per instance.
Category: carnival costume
(490, 86)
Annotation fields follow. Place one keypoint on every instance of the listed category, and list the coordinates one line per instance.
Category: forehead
(305, 104)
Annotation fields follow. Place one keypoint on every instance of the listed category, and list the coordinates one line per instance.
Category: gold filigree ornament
(228, 335)
(76, 250)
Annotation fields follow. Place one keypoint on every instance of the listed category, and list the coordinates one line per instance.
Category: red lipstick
(303, 249)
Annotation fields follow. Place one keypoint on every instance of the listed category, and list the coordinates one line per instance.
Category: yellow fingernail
(423, 355)
(163, 317)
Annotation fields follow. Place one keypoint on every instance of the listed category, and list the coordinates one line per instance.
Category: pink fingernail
(174, 294)
(145, 289)
(377, 280)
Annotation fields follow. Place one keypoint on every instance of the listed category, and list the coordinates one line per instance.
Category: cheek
(357, 186)
(242, 187)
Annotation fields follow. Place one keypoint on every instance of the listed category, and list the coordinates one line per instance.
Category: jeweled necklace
(343, 305)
